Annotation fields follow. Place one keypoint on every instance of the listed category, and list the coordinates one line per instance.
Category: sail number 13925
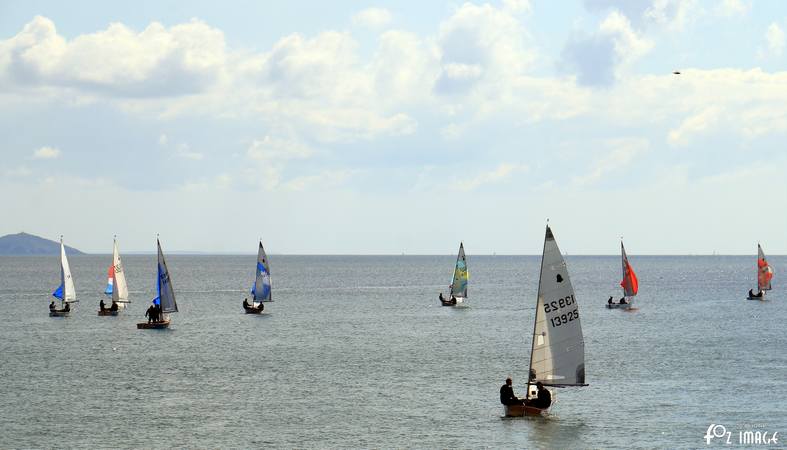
(559, 304)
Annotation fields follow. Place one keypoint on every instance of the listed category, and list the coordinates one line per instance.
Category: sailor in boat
(114, 306)
(101, 305)
(757, 295)
(623, 301)
(453, 299)
(543, 400)
(507, 396)
(67, 307)
(442, 299)
(609, 302)
(52, 306)
(150, 313)
(246, 303)
(157, 313)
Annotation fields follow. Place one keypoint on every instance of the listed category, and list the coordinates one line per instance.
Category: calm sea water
(356, 352)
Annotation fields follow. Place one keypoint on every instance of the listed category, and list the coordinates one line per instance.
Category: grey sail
(557, 357)
(458, 286)
(165, 292)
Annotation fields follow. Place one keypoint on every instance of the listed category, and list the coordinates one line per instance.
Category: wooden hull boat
(153, 325)
(58, 313)
(522, 411)
(107, 312)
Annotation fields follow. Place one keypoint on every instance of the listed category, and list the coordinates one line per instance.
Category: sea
(357, 352)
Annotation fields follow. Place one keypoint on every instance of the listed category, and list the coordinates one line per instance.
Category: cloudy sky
(339, 127)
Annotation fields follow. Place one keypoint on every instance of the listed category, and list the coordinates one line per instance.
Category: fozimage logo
(718, 434)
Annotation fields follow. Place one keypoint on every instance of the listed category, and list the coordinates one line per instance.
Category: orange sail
(630, 284)
(764, 271)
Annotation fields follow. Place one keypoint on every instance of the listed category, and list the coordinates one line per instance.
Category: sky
(396, 127)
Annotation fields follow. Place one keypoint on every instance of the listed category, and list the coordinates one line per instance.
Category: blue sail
(264, 280)
(58, 292)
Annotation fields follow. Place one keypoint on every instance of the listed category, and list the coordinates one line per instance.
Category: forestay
(558, 353)
(459, 283)
(261, 290)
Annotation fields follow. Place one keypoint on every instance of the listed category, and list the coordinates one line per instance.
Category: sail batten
(458, 286)
(558, 350)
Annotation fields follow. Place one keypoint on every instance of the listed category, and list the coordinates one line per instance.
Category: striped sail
(166, 296)
(110, 280)
(459, 283)
(261, 290)
(557, 357)
(630, 284)
(65, 291)
(764, 271)
(120, 290)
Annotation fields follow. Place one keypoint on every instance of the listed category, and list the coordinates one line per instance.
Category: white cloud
(278, 149)
(775, 39)
(185, 151)
(47, 153)
(622, 152)
(118, 61)
(502, 173)
(517, 6)
(696, 124)
(163, 139)
(324, 180)
(596, 59)
(373, 18)
(733, 8)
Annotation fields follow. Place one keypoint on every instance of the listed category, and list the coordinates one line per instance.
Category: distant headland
(28, 244)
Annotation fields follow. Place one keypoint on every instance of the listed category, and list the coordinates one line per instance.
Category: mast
(535, 316)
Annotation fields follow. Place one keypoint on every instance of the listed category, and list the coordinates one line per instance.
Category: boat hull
(522, 411)
(59, 313)
(107, 312)
(460, 301)
(252, 310)
(618, 306)
(153, 325)
(756, 298)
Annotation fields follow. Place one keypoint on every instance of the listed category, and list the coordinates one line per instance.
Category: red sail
(630, 284)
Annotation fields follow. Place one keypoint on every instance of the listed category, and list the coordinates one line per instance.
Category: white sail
(557, 357)
(262, 281)
(67, 283)
(165, 292)
(458, 286)
(120, 288)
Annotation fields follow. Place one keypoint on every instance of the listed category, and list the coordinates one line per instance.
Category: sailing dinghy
(117, 289)
(166, 296)
(557, 353)
(261, 289)
(65, 292)
(457, 290)
(630, 284)
(764, 276)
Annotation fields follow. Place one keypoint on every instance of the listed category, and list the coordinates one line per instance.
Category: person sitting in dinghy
(453, 299)
(622, 300)
(753, 295)
(507, 396)
(442, 299)
(52, 306)
(114, 306)
(609, 302)
(101, 305)
(543, 400)
(246, 303)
